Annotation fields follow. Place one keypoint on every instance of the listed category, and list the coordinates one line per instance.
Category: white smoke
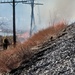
(54, 11)
(65, 9)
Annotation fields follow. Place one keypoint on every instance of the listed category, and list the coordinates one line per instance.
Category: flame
(24, 35)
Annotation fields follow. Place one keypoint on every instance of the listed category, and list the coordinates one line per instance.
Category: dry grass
(45, 33)
(10, 59)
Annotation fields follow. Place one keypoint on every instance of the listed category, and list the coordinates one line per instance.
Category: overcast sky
(51, 10)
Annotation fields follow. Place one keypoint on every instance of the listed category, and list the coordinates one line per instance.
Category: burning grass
(12, 58)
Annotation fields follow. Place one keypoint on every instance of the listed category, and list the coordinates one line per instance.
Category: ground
(56, 57)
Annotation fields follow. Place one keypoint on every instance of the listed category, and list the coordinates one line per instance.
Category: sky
(52, 11)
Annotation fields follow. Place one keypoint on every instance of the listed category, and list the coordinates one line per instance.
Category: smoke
(54, 11)
(23, 37)
(65, 9)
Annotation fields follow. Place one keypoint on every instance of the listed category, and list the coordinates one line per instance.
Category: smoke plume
(65, 9)
(54, 11)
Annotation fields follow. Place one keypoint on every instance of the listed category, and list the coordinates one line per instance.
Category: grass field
(13, 57)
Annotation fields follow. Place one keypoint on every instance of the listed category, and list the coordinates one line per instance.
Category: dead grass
(10, 59)
(45, 33)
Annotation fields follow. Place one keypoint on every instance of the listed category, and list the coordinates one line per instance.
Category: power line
(32, 3)
(12, 1)
(14, 24)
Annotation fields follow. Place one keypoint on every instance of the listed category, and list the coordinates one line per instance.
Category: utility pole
(32, 15)
(14, 24)
(31, 2)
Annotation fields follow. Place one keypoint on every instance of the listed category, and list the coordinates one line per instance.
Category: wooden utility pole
(14, 26)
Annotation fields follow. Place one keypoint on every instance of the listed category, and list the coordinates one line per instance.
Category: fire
(23, 37)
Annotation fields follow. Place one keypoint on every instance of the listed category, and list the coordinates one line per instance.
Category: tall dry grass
(45, 33)
(12, 58)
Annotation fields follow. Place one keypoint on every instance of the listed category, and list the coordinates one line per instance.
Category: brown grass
(12, 58)
(45, 33)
